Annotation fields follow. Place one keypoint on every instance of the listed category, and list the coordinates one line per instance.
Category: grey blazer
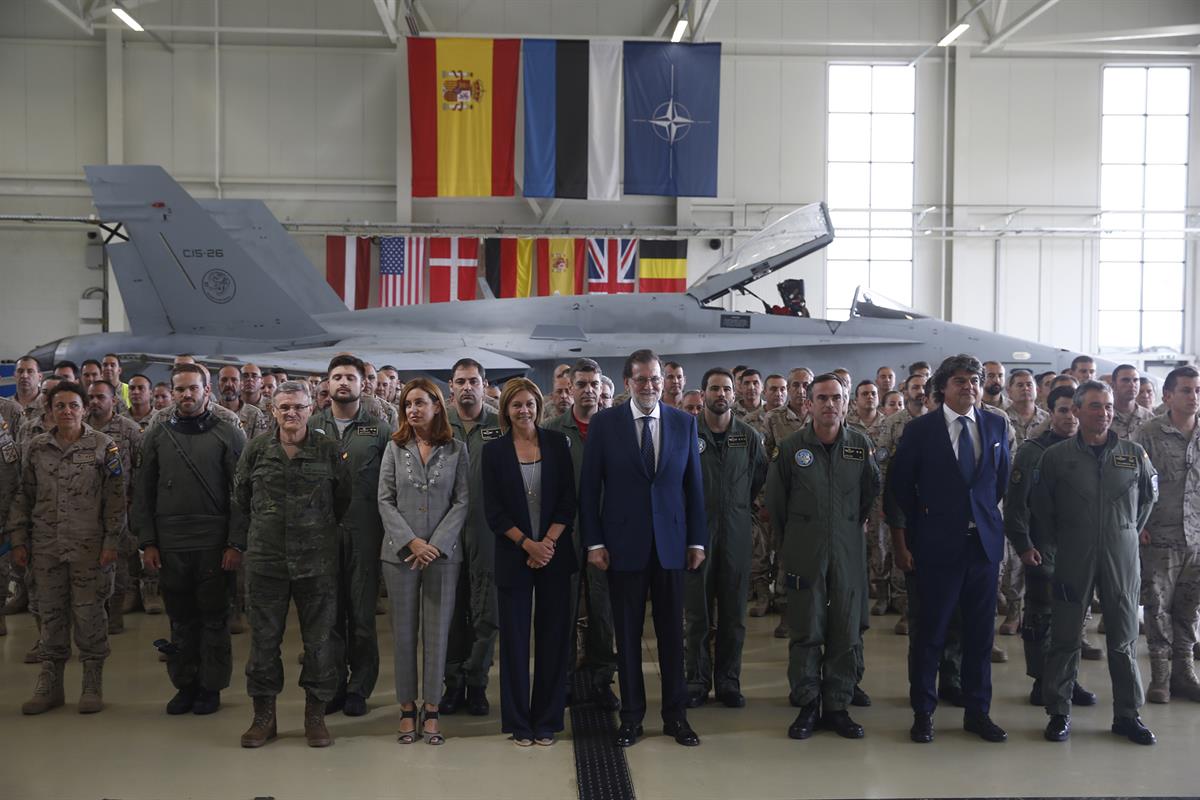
(427, 501)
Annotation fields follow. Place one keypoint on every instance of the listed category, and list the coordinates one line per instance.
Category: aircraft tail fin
(188, 275)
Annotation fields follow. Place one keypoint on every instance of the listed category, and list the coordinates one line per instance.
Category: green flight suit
(734, 466)
(1090, 508)
(822, 496)
(599, 640)
(1022, 534)
(291, 508)
(362, 443)
(474, 629)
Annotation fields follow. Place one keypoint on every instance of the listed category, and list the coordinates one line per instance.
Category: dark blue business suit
(955, 562)
(647, 523)
(506, 507)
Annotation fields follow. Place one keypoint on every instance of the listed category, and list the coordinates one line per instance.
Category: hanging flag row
(581, 99)
(418, 269)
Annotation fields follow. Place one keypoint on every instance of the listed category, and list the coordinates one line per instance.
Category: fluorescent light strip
(680, 27)
(956, 32)
(124, 16)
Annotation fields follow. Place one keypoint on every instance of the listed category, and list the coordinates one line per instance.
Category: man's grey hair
(962, 362)
(1089, 386)
(607, 381)
(293, 387)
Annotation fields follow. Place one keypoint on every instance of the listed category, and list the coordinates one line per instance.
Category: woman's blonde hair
(511, 389)
(441, 433)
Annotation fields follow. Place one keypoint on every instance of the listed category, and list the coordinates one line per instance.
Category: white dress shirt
(955, 429)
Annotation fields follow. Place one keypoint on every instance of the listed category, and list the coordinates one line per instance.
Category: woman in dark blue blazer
(529, 500)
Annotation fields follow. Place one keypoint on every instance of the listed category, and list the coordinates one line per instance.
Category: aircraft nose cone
(45, 354)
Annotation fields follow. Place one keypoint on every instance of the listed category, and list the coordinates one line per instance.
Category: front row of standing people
(318, 508)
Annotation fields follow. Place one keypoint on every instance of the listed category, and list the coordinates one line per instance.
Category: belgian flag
(663, 266)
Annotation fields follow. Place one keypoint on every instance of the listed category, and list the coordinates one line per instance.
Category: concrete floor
(134, 750)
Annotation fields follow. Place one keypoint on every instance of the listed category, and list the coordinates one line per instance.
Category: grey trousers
(425, 598)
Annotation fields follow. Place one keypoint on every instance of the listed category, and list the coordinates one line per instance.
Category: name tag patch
(736, 440)
(1125, 462)
(854, 453)
(488, 434)
(368, 430)
(83, 458)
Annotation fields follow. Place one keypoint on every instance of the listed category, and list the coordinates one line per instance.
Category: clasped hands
(422, 554)
(539, 552)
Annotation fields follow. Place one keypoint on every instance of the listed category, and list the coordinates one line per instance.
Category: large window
(1143, 193)
(869, 185)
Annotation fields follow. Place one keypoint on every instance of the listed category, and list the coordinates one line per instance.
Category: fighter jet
(223, 280)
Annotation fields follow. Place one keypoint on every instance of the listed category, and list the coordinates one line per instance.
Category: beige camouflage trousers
(72, 592)
(1171, 596)
(1012, 575)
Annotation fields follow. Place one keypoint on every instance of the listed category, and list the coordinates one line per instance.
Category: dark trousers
(473, 629)
(524, 715)
(358, 590)
(969, 587)
(590, 586)
(196, 594)
(316, 606)
(950, 667)
(629, 590)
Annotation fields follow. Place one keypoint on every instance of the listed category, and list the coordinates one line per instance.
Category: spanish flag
(663, 265)
(463, 112)
(509, 264)
(561, 264)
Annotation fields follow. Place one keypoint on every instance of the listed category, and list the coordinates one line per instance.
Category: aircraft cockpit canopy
(873, 305)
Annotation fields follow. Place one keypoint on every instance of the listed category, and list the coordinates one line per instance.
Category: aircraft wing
(315, 360)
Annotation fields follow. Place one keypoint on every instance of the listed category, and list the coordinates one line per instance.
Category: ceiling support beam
(1019, 23)
(705, 18)
(387, 15)
(72, 14)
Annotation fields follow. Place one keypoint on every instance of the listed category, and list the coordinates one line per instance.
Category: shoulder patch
(804, 458)
(701, 445)
(1015, 477)
(8, 451)
(881, 455)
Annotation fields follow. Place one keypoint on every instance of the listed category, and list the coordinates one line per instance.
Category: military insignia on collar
(1015, 477)
(853, 453)
(701, 444)
(804, 458)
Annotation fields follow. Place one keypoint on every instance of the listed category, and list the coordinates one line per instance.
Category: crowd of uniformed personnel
(222, 497)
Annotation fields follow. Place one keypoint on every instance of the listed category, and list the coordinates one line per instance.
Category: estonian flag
(572, 118)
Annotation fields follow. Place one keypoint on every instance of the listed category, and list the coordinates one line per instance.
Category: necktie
(966, 451)
(648, 445)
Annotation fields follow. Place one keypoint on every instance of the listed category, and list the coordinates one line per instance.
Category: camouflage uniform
(253, 421)
(1024, 429)
(182, 506)
(142, 423)
(70, 507)
(890, 580)
(1126, 425)
(762, 533)
(363, 441)
(378, 408)
(128, 436)
(290, 509)
(1171, 562)
(10, 465)
(475, 627)
(741, 412)
(778, 424)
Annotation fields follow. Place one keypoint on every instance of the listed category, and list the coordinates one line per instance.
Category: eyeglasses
(287, 409)
(656, 380)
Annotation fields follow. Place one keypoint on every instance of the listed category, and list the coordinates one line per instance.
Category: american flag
(401, 269)
(612, 265)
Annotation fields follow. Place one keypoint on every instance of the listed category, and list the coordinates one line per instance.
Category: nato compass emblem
(218, 285)
(672, 121)
(804, 458)
(701, 444)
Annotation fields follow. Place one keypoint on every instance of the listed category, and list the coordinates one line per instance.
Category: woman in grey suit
(423, 502)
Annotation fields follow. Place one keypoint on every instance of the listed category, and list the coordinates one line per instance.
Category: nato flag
(672, 105)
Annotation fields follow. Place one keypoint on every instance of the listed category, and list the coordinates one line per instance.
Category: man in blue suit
(944, 487)
(641, 510)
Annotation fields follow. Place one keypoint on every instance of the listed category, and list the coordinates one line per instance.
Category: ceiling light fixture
(680, 28)
(957, 31)
(125, 17)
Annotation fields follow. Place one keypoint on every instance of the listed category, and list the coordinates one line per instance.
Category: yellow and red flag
(561, 264)
(463, 111)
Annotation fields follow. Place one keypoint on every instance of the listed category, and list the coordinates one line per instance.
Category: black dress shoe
(952, 695)
(806, 720)
(1133, 730)
(477, 702)
(452, 700)
(207, 702)
(183, 701)
(682, 733)
(356, 705)
(604, 697)
(628, 734)
(840, 723)
(1058, 729)
(860, 699)
(1081, 696)
(1035, 694)
(696, 698)
(732, 698)
(982, 726)
(921, 731)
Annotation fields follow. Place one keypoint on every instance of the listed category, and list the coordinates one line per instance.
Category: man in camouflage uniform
(102, 416)
(750, 388)
(674, 384)
(190, 536)
(252, 420)
(474, 629)
(252, 387)
(10, 464)
(993, 386)
(1091, 496)
(599, 662)
(1170, 553)
(762, 533)
(292, 489)
(1128, 416)
(141, 400)
(375, 406)
(362, 439)
(67, 520)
